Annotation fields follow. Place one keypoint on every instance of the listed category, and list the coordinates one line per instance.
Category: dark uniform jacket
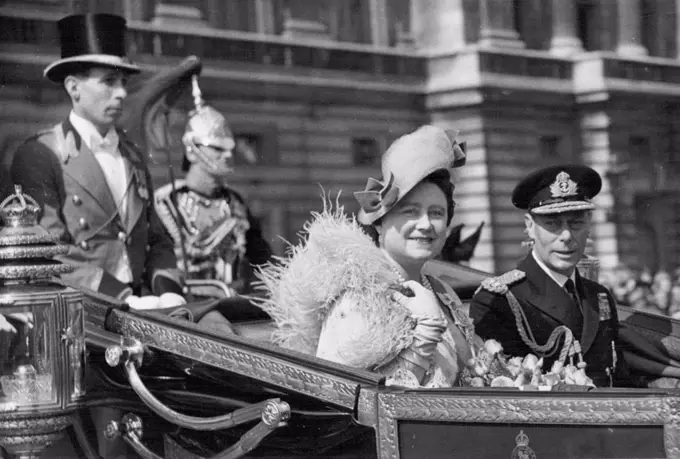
(222, 240)
(62, 174)
(547, 305)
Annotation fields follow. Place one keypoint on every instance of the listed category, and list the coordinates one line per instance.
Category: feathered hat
(409, 160)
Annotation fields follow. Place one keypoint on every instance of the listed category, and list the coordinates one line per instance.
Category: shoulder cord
(571, 346)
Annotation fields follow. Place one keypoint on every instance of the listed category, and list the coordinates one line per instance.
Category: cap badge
(563, 186)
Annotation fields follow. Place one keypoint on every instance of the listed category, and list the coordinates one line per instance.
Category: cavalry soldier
(92, 183)
(545, 302)
(215, 235)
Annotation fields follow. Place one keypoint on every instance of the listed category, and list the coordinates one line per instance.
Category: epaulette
(500, 284)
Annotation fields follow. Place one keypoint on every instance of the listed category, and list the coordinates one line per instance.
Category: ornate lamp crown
(19, 209)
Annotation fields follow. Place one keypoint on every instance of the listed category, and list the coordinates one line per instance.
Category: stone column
(264, 17)
(439, 24)
(565, 40)
(630, 28)
(379, 25)
(498, 25)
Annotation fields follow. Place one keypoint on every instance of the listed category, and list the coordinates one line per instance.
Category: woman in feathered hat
(344, 299)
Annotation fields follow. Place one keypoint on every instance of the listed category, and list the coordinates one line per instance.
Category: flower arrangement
(490, 368)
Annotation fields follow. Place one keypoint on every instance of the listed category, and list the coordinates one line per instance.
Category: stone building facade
(320, 88)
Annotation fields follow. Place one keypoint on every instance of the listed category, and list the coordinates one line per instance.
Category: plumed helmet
(206, 126)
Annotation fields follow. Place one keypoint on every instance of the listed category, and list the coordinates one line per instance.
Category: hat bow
(377, 195)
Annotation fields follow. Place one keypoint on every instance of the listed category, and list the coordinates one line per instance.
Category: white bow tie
(108, 144)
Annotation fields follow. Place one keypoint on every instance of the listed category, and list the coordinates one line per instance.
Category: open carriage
(177, 390)
(168, 387)
(309, 407)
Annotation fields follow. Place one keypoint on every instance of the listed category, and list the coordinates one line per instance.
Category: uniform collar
(560, 279)
(89, 133)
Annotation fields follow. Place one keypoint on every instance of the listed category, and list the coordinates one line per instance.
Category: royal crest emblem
(563, 186)
(522, 450)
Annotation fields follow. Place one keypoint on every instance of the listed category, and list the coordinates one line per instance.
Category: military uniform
(546, 295)
(221, 239)
(62, 174)
(546, 306)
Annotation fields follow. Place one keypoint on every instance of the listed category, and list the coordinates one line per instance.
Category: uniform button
(122, 236)
(84, 245)
(76, 200)
(148, 248)
(83, 223)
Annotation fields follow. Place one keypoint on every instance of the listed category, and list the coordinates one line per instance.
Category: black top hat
(95, 39)
(558, 189)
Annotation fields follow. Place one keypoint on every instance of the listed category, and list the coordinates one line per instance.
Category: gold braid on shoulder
(501, 286)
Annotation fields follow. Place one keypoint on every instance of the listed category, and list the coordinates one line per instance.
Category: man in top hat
(522, 308)
(91, 182)
(215, 235)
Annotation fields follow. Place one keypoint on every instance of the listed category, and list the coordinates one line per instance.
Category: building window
(399, 22)
(518, 16)
(365, 151)
(649, 27)
(248, 149)
(549, 146)
(586, 18)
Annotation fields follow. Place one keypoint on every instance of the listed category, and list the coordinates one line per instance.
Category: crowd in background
(658, 293)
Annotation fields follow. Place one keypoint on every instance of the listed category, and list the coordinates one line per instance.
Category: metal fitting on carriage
(130, 350)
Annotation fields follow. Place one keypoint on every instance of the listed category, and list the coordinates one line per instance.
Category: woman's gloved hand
(423, 303)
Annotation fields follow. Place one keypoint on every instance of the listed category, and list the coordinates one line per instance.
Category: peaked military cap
(558, 189)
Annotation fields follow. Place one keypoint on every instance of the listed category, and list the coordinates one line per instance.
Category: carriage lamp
(42, 336)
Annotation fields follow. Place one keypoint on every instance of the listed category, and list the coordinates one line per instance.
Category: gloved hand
(171, 300)
(422, 303)
(145, 302)
(166, 300)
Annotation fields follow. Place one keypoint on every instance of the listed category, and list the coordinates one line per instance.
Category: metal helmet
(206, 127)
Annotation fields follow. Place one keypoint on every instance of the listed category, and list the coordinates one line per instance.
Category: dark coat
(61, 173)
(547, 306)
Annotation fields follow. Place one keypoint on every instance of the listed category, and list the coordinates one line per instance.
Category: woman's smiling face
(414, 231)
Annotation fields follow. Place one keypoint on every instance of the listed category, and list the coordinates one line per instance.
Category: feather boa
(335, 259)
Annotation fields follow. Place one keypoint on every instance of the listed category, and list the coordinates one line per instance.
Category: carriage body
(337, 411)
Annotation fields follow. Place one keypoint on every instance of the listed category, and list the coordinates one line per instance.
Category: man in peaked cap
(90, 180)
(522, 308)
